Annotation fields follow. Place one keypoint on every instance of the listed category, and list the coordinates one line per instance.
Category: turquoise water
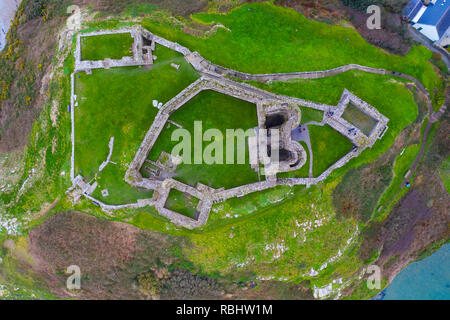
(428, 279)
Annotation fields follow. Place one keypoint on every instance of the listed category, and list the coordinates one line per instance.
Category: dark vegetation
(133, 263)
(117, 261)
(392, 35)
(23, 64)
(358, 193)
(418, 224)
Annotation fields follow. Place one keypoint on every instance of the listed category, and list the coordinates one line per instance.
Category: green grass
(236, 208)
(361, 120)
(444, 171)
(120, 192)
(402, 164)
(249, 244)
(216, 111)
(118, 102)
(309, 114)
(368, 88)
(328, 146)
(182, 203)
(265, 38)
(113, 46)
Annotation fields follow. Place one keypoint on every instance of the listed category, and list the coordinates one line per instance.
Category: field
(309, 115)
(328, 146)
(216, 111)
(118, 103)
(112, 46)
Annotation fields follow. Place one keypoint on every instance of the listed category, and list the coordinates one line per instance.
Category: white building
(431, 18)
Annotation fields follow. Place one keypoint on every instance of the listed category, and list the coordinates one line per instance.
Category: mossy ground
(182, 203)
(361, 120)
(112, 46)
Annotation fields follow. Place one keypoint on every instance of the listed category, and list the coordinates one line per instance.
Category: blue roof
(437, 15)
(412, 8)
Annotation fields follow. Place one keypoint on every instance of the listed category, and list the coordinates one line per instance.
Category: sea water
(427, 279)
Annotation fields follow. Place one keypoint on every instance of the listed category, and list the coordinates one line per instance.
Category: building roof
(412, 8)
(438, 15)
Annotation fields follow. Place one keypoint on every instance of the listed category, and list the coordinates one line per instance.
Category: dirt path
(434, 117)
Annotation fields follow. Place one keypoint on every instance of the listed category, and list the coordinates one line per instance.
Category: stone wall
(213, 78)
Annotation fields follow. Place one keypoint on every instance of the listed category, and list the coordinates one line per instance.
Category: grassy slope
(265, 38)
(113, 46)
(402, 164)
(445, 174)
(218, 111)
(272, 242)
(118, 102)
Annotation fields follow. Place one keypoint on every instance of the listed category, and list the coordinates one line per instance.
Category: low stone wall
(212, 78)
(136, 32)
(261, 98)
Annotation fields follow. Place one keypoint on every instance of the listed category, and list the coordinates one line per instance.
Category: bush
(149, 285)
(34, 8)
